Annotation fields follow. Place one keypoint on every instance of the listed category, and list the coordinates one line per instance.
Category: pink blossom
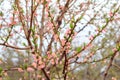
(43, 78)
(37, 1)
(0, 26)
(54, 55)
(15, 12)
(21, 29)
(40, 62)
(49, 56)
(104, 30)
(113, 78)
(110, 14)
(117, 55)
(49, 24)
(91, 37)
(20, 69)
(68, 46)
(1, 78)
(26, 60)
(61, 7)
(29, 69)
(42, 1)
(36, 35)
(11, 18)
(48, 1)
(14, 22)
(104, 60)
(34, 58)
(114, 49)
(11, 34)
(48, 52)
(48, 72)
(47, 7)
(20, 78)
(67, 50)
(38, 76)
(73, 36)
(56, 37)
(62, 42)
(37, 24)
(35, 14)
(89, 45)
(1, 62)
(75, 33)
(34, 64)
(97, 30)
(46, 14)
(52, 61)
(56, 60)
(68, 43)
(68, 31)
(78, 55)
(1, 18)
(85, 60)
(5, 74)
(41, 66)
(60, 62)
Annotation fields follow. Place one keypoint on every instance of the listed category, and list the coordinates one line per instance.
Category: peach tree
(57, 35)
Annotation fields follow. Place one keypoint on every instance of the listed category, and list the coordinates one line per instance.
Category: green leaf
(70, 39)
(26, 74)
(1, 69)
(111, 53)
(81, 17)
(116, 10)
(58, 33)
(119, 49)
(14, 6)
(103, 27)
(118, 46)
(84, 44)
(107, 19)
(36, 45)
(65, 37)
(1, 13)
(24, 44)
(45, 2)
(32, 29)
(79, 49)
(94, 60)
(22, 11)
(25, 66)
(71, 25)
(73, 19)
